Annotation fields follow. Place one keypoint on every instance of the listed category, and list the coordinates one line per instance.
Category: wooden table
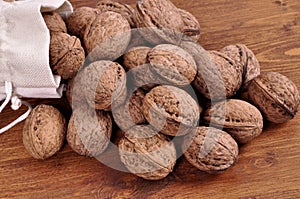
(268, 167)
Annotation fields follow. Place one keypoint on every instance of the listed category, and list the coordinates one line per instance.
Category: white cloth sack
(24, 48)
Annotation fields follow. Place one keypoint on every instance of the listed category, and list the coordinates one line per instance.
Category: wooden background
(268, 167)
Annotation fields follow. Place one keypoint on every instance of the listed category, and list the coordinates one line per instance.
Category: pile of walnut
(233, 97)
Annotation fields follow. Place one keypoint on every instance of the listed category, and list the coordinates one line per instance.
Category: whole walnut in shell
(44, 132)
(245, 59)
(89, 131)
(219, 77)
(54, 22)
(240, 119)
(210, 150)
(66, 54)
(275, 95)
(80, 20)
(123, 9)
(104, 84)
(136, 62)
(105, 35)
(191, 26)
(159, 21)
(172, 64)
(131, 112)
(147, 153)
(74, 93)
(171, 110)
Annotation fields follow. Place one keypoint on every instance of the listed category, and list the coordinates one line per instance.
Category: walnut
(174, 65)
(240, 119)
(245, 59)
(54, 22)
(80, 20)
(191, 25)
(136, 61)
(104, 84)
(131, 112)
(219, 77)
(210, 150)
(125, 10)
(159, 21)
(105, 35)
(276, 96)
(66, 55)
(74, 93)
(147, 153)
(171, 110)
(44, 132)
(135, 57)
(89, 131)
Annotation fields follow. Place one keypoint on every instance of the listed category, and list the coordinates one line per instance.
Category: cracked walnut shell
(240, 119)
(210, 150)
(147, 153)
(44, 132)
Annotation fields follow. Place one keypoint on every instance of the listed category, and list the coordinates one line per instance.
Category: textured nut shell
(240, 119)
(123, 9)
(130, 113)
(80, 20)
(54, 22)
(244, 58)
(104, 82)
(108, 37)
(173, 64)
(135, 57)
(276, 96)
(146, 153)
(229, 74)
(66, 55)
(74, 93)
(210, 150)
(143, 76)
(89, 131)
(191, 25)
(171, 110)
(160, 20)
(44, 132)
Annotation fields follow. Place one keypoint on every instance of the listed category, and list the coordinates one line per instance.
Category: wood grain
(268, 167)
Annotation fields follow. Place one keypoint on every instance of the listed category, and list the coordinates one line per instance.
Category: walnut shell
(171, 110)
(174, 65)
(80, 20)
(240, 119)
(131, 112)
(66, 55)
(147, 153)
(244, 58)
(210, 150)
(123, 9)
(89, 131)
(219, 77)
(54, 22)
(74, 93)
(44, 131)
(159, 21)
(191, 25)
(107, 37)
(135, 57)
(104, 84)
(276, 96)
